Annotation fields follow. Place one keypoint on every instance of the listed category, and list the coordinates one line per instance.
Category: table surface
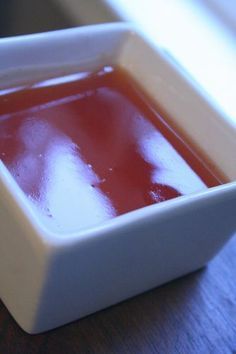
(194, 314)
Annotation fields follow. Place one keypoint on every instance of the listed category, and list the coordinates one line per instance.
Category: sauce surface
(89, 146)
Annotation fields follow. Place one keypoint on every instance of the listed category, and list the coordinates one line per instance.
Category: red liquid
(85, 150)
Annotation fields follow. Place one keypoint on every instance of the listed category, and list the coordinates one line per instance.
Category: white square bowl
(50, 279)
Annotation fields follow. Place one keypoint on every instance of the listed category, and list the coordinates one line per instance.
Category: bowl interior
(36, 57)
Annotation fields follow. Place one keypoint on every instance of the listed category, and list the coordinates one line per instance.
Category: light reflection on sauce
(84, 148)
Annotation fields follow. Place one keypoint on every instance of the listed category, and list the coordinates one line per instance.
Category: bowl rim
(16, 199)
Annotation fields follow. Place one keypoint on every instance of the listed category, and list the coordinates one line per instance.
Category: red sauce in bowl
(90, 146)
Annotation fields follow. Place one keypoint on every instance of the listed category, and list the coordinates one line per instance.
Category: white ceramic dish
(49, 279)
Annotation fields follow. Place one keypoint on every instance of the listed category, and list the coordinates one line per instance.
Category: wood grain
(195, 314)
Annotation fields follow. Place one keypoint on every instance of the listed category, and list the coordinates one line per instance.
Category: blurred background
(30, 16)
(199, 35)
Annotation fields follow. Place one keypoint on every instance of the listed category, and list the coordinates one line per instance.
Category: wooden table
(195, 314)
